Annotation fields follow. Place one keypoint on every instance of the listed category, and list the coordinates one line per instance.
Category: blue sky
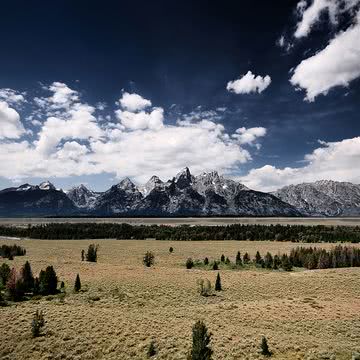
(95, 91)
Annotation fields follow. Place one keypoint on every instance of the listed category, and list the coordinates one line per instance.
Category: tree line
(10, 251)
(295, 233)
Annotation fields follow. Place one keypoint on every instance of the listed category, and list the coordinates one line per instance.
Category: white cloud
(249, 84)
(133, 102)
(250, 135)
(72, 142)
(12, 96)
(10, 125)
(336, 65)
(141, 120)
(310, 15)
(333, 160)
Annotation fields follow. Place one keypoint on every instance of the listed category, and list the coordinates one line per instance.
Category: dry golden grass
(303, 314)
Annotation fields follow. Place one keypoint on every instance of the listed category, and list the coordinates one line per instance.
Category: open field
(189, 221)
(304, 314)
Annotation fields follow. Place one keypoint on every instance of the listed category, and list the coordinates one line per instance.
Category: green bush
(91, 254)
(149, 259)
(189, 263)
(37, 323)
(201, 338)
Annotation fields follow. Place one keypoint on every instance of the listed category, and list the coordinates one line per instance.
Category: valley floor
(304, 314)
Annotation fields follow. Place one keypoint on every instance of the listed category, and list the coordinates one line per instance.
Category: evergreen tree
(258, 258)
(276, 262)
(82, 255)
(77, 285)
(264, 347)
(48, 281)
(91, 254)
(149, 259)
(222, 259)
(37, 323)
(206, 261)
(246, 258)
(14, 286)
(201, 349)
(189, 263)
(215, 266)
(218, 283)
(285, 263)
(268, 260)
(151, 350)
(27, 277)
(36, 289)
(238, 259)
(171, 249)
(4, 273)
(227, 261)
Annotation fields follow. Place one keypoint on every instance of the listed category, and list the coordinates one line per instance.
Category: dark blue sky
(183, 53)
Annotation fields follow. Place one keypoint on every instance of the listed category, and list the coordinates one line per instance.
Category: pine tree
(206, 261)
(285, 263)
(189, 263)
(268, 260)
(4, 273)
(82, 255)
(264, 347)
(149, 259)
(246, 258)
(48, 281)
(27, 277)
(37, 323)
(258, 258)
(77, 285)
(171, 249)
(238, 259)
(14, 286)
(201, 349)
(91, 254)
(151, 350)
(218, 283)
(215, 266)
(222, 259)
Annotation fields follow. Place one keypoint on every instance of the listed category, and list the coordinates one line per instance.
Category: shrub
(37, 323)
(201, 349)
(189, 263)
(171, 249)
(285, 263)
(77, 285)
(151, 349)
(222, 259)
(215, 266)
(268, 261)
(238, 259)
(218, 283)
(48, 281)
(206, 261)
(91, 254)
(27, 277)
(4, 273)
(204, 287)
(82, 255)
(246, 258)
(258, 258)
(264, 348)
(227, 261)
(62, 286)
(149, 259)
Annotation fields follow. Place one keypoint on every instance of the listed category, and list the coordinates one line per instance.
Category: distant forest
(295, 233)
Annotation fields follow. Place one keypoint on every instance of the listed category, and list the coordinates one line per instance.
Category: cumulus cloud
(310, 15)
(72, 141)
(10, 125)
(333, 160)
(142, 119)
(249, 83)
(336, 65)
(11, 96)
(133, 102)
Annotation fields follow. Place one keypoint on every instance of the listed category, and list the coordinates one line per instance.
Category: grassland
(304, 314)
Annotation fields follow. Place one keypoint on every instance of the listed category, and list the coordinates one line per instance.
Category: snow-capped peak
(47, 185)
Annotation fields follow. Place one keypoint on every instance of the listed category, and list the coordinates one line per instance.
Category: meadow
(123, 305)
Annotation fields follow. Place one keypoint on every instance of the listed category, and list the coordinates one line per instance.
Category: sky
(266, 93)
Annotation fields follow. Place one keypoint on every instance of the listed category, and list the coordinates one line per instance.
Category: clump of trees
(201, 349)
(10, 251)
(295, 233)
(149, 259)
(91, 254)
(20, 284)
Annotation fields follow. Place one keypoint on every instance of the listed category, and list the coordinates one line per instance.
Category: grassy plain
(304, 314)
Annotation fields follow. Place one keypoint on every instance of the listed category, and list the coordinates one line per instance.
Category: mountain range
(208, 194)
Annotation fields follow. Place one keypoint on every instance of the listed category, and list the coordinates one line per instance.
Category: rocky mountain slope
(35, 200)
(323, 198)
